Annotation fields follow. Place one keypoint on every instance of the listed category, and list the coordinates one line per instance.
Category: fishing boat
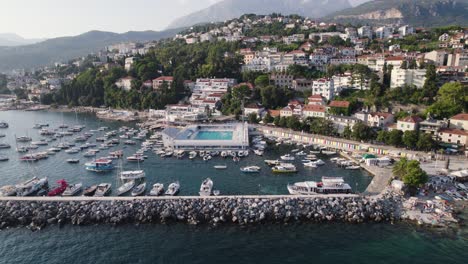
(4, 124)
(8, 190)
(100, 165)
(139, 190)
(173, 189)
(125, 188)
(287, 157)
(103, 189)
(328, 185)
(132, 175)
(62, 186)
(272, 162)
(284, 168)
(206, 187)
(90, 190)
(73, 161)
(31, 186)
(157, 190)
(220, 167)
(250, 169)
(73, 189)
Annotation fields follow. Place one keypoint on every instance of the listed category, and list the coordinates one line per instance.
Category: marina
(189, 168)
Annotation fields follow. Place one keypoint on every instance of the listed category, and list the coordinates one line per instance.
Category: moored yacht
(287, 157)
(328, 185)
(139, 190)
(103, 189)
(206, 187)
(173, 189)
(3, 124)
(73, 189)
(132, 175)
(125, 188)
(8, 190)
(31, 186)
(284, 168)
(157, 190)
(100, 165)
(250, 169)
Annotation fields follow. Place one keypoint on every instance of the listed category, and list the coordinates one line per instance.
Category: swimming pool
(213, 135)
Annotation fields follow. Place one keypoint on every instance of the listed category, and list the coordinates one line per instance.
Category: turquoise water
(214, 135)
(307, 243)
(163, 170)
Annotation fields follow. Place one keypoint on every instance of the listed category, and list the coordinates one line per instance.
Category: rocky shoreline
(243, 211)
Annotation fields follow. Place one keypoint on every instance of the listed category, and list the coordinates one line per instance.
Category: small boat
(72, 151)
(129, 142)
(89, 191)
(4, 146)
(207, 158)
(220, 167)
(173, 189)
(301, 153)
(295, 150)
(31, 186)
(4, 158)
(132, 175)
(192, 154)
(135, 158)
(125, 188)
(73, 161)
(258, 152)
(40, 143)
(284, 168)
(328, 185)
(353, 167)
(23, 139)
(139, 190)
(216, 192)
(158, 189)
(8, 190)
(287, 157)
(62, 186)
(310, 164)
(22, 149)
(206, 187)
(4, 124)
(103, 189)
(328, 153)
(319, 162)
(73, 189)
(250, 169)
(272, 162)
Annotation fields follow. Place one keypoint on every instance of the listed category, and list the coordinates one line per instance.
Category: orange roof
(343, 104)
(165, 78)
(463, 117)
(412, 119)
(274, 113)
(385, 115)
(314, 108)
(454, 131)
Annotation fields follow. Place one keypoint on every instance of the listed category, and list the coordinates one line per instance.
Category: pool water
(214, 135)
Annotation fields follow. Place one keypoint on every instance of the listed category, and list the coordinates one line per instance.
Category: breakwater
(38, 213)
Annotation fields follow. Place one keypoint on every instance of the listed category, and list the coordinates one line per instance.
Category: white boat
(220, 167)
(157, 190)
(224, 154)
(206, 187)
(258, 152)
(192, 154)
(139, 190)
(250, 169)
(301, 153)
(3, 124)
(125, 188)
(31, 186)
(136, 158)
(295, 150)
(132, 175)
(72, 151)
(272, 162)
(319, 162)
(73, 161)
(103, 189)
(284, 168)
(287, 157)
(4, 158)
(329, 185)
(23, 139)
(207, 157)
(328, 153)
(173, 189)
(353, 167)
(40, 143)
(310, 165)
(73, 189)
(8, 190)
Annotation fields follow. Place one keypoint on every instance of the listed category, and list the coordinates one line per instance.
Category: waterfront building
(207, 137)
(453, 136)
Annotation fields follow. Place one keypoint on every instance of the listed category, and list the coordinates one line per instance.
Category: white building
(125, 83)
(324, 87)
(365, 32)
(405, 30)
(383, 32)
(213, 85)
(129, 63)
(402, 77)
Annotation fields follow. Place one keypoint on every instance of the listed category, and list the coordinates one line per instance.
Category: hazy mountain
(12, 39)
(425, 13)
(229, 9)
(65, 48)
(358, 2)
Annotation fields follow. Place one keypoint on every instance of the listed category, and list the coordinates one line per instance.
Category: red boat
(60, 189)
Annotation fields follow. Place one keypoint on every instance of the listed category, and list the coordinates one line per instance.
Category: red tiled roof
(314, 108)
(454, 131)
(343, 104)
(274, 113)
(463, 117)
(315, 97)
(165, 79)
(385, 115)
(412, 119)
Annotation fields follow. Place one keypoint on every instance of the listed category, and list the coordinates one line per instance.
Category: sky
(56, 18)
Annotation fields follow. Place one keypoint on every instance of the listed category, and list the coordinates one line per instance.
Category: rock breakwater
(244, 211)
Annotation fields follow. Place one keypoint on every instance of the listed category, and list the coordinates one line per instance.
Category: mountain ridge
(229, 9)
(13, 39)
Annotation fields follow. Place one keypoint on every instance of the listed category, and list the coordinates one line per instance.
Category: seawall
(243, 210)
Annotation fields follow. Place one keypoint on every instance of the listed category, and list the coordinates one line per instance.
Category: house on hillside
(410, 123)
(339, 107)
(125, 83)
(459, 121)
(158, 82)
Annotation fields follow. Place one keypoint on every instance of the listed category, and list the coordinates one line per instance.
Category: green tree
(430, 85)
(347, 132)
(451, 100)
(253, 119)
(267, 119)
(425, 142)
(262, 81)
(276, 121)
(410, 139)
(362, 132)
(394, 138)
(399, 169)
(414, 176)
(293, 123)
